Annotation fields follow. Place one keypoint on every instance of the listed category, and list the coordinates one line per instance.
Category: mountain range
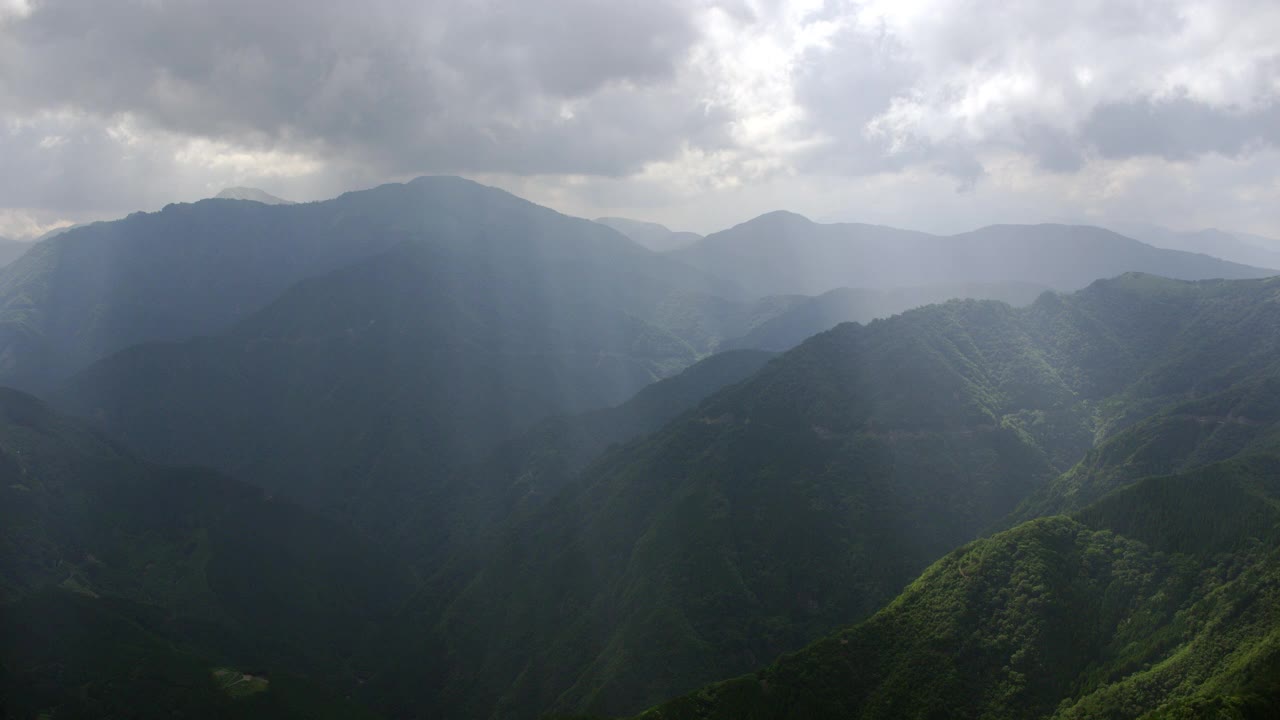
(810, 494)
(430, 450)
(252, 194)
(1236, 247)
(781, 252)
(658, 238)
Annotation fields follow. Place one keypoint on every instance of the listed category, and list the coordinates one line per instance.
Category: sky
(931, 115)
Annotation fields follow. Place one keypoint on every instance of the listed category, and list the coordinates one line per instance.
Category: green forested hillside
(606, 562)
(809, 495)
(1160, 600)
(174, 572)
(809, 316)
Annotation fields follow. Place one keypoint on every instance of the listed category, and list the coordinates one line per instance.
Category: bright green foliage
(706, 542)
(1163, 600)
(809, 495)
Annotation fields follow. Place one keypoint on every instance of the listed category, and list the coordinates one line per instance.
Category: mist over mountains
(11, 250)
(657, 238)
(1236, 247)
(254, 194)
(432, 450)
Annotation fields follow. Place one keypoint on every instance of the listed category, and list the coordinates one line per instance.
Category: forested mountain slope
(368, 382)
(1157, 601)
(122, 581)
(195, 269)
(809, 316)
(809, 495)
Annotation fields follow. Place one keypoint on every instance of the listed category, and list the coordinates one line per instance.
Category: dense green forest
(440, 452)
(125, 585)
(1159, 600)
(808, 496)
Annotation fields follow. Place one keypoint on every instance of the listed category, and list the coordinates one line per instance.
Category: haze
(938, 116)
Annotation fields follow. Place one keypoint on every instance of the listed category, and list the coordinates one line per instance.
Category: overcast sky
(941, 116)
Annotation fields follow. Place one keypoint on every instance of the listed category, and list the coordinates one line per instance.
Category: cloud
(574, 85)
(904, 82)
(656, 105)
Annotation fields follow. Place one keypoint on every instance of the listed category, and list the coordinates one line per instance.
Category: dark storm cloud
(565, 86)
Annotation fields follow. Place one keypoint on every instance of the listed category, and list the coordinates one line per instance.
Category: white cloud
(691, 112)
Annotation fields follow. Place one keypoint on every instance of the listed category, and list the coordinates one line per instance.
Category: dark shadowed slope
(121, 580)
(782, 252)
(369, 383)
(190, 270)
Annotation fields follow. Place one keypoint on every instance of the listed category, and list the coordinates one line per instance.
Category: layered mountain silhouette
(810, 494)
(253, 194)
(658, 238)
(782, 252)
(430, 450)
(1236, 247)
(192, 270)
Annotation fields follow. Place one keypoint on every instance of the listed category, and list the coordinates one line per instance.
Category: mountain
(809, 495)
(121, 581)
(1216, 243)
(1157, 601)
(59, 230)
(784, 253)
(11, 250)
(366, 383)
(810, 316)
(540, 461)
(253, 194)
(1258, 240)
(193, 270)
(657, 238)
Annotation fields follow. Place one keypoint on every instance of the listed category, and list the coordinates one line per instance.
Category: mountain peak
(781, 216)
(253, 194)
(655, 236)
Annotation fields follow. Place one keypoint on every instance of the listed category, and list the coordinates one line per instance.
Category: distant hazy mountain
(811, 316)
(11, 250)
(781, 253)
(254, 194)
(411, 360)
(657, 238)
(195, 269)
(1268, 243)
(371, 384)
(1216, 243)
(59, 230)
